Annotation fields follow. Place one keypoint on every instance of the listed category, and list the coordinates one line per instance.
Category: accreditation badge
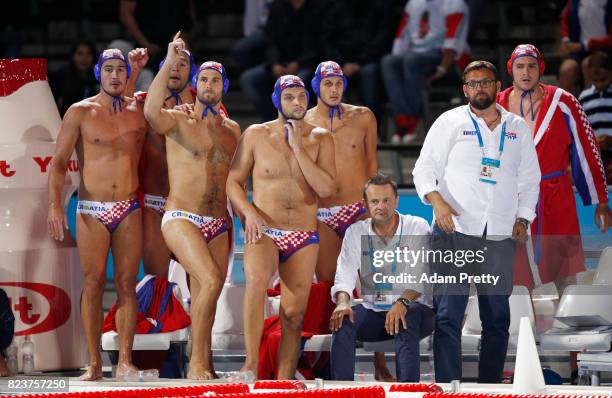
(383, 296)
(489, 169)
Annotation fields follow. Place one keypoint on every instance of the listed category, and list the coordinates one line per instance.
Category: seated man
(431, 37)
(585, 28)
(597, 104)
(400, 311)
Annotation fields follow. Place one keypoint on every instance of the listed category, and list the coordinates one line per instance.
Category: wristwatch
(404, 301)
(523, 221)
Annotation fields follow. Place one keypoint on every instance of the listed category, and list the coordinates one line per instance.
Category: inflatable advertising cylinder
(42, 277)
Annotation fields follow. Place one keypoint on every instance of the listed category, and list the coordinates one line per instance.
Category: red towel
(316, 321)
(159, 311)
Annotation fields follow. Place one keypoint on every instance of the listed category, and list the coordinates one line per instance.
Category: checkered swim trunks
(108, 213)
(210, 227)
(288, 242)
(155, 203)
(339, 218)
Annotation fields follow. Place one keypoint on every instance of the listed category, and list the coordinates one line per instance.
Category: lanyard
(371, 248)
(502, 139)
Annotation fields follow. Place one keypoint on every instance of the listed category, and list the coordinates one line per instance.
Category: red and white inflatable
(42, 278)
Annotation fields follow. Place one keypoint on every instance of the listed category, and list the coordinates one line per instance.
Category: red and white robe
(563, 137)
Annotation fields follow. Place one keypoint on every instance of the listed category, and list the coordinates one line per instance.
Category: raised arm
(161, 120)
(66, 142)
(326, 174)
(319, 174)
(138, 59)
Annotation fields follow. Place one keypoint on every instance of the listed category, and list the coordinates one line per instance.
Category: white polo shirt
(450, 162)
(414, 232)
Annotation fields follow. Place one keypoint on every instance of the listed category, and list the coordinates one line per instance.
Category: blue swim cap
(324, 70)
(216, 66)
(111, 53)
(284, 82)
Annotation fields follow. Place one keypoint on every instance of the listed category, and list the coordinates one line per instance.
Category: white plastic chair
(580, 301)
(603, 275)
(520, 306)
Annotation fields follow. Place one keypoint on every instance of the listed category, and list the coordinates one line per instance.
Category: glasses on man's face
(485, 83)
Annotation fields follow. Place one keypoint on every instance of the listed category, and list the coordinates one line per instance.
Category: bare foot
(249, 368)
(4, 370)
(381, 372)
(244, 375)
(197, 372)
(384, 375)
(94, 372)
(124, 369)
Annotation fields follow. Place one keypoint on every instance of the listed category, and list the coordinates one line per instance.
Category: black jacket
(293, 34)
(359, 31)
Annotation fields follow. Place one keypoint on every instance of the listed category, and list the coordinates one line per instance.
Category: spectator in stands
(597, 103)
(7, 328)
(76, 80)
(586, 26)
(250, 50)
(478, 198)
(432, 35)
(291, 34)
(356, 34)
(402, 311)
(143, 21)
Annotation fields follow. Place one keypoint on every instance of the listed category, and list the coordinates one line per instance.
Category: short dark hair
(379, 179)
(479, 65)
(599, 59)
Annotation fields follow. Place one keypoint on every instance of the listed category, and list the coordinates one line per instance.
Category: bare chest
(121, 132)
(528, 110)
(349, 142)
(200, 143)
(275, 159)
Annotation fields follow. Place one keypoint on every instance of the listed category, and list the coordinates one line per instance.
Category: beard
(296, 115)
(481, 102)
(208, 98)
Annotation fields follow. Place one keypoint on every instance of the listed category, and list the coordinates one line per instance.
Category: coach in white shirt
(390, 308)
(479, 170)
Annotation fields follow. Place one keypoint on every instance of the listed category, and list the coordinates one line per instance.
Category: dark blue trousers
(370, 326)
(450, 303)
